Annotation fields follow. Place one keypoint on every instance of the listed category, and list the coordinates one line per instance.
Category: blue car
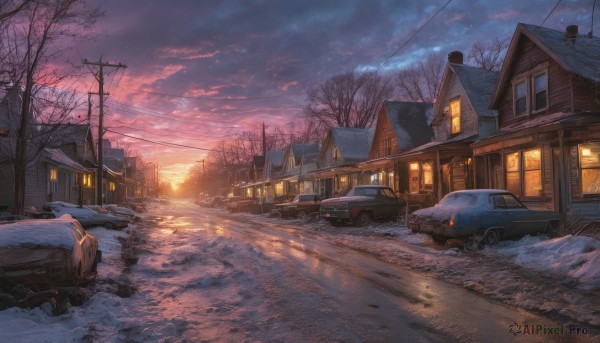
(489, 215)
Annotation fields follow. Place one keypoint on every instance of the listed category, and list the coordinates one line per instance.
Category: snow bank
(41, 233)
(577, 257)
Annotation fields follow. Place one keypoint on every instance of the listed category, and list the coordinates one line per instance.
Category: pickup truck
(362, 205)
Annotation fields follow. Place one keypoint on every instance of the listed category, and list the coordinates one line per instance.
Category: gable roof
(305, 152)
(275, 157)
(478, 84)
(352, 143)
(410, 122)
(580, 56)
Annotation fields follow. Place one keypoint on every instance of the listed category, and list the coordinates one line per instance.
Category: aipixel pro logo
(541, 329)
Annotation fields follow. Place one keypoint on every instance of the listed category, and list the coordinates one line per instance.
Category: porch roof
(58, 156)
(450, 144)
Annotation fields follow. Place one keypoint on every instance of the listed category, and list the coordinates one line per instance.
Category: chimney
(571, 33)
(455, 57)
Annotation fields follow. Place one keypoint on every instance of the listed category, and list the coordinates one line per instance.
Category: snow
(48, 233)
(221, 276)
(574, 257)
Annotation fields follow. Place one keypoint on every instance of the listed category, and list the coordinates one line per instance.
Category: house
(461, 115)
(298, 161)
(53, 172)
(547, 150)
(114, 186)
(342, 150)
(254, 186)
(273, 185)
(400, 126)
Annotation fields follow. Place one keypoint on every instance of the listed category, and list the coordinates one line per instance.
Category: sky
(200, 71)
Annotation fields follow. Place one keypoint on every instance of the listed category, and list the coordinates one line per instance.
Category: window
(387, 146)
(521, 98)
(530, 92)
(87, 180)
(53, 174)
(524, 173)
(513, 180)
(413, 178)
(589, 162)
(455, 116)
(540, 92)
(335, 153)
(420, 177)
(279, 188)
(344, 182)
(532, 182)
(291, 162)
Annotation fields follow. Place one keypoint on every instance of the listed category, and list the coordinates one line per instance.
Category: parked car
(241, 205)
(488, 214)
(47, 253)
(126, 212)
(361, 205)
(88, 218)
(299, 207)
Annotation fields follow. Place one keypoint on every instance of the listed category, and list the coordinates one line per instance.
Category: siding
(7, 190)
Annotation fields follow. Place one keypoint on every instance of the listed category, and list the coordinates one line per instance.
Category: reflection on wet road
(307, 289)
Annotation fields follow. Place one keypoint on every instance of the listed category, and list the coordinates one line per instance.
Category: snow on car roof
(38, 233)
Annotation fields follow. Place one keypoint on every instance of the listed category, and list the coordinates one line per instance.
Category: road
(227, 278)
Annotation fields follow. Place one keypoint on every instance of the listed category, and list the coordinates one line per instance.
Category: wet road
(234, 278)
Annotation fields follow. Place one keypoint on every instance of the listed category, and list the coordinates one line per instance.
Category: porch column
(439, 174)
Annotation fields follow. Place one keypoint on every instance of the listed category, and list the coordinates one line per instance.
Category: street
(206, 275)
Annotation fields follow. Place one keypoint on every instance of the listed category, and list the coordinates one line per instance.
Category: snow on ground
(559, 276)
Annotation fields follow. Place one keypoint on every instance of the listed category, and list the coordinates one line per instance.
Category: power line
(171, 145)
(414, 34)
(549, 14)
(216, 99)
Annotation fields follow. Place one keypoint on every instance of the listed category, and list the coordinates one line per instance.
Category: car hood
(347, 199)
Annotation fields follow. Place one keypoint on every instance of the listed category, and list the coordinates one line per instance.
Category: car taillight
(451, 223)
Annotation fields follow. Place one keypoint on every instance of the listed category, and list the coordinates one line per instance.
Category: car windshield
(459, 199)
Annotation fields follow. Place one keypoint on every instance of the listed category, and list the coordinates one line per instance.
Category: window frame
(516, 83)
(582, 167)
(528, 80)
(454, 116)
(520, 171)
(534, 107)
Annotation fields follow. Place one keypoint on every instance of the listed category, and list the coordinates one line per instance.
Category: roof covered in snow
(58, 156)
(306, 153)
(275, 158)
(353, 144)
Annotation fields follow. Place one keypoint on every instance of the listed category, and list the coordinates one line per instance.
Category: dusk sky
(201, 70)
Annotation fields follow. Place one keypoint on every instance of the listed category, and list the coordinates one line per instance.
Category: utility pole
(100, 77)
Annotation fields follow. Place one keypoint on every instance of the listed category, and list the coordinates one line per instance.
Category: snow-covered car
(87, 217)
(488, 214)
(126, 212)
(47, 253)
(302, 205)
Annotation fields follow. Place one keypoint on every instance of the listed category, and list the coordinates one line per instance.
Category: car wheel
(439, 239)
(492, 237)
(109, 226)
(363, 219)
(301, 214)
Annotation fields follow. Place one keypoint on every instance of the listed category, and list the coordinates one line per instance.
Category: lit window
(427, 175)
(53, 174)
(589, 162)
(540, 92)
(87, 180)
(413, 177)
(513, 177)
(532, 164)
(279, 188)
(344, 182)
(112, 186)
(455, 115)
(520, 98)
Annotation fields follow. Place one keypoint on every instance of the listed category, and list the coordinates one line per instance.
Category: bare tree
(33, 39)
(9, 8)
(489, 56)
(348, 100)
(421, 83)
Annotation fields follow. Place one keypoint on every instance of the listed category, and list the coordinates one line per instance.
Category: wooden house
(254, 185)
(461, 116)
(273, 183)
(547, 151)
(338, 159)
(400, 126)
(298, 161)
